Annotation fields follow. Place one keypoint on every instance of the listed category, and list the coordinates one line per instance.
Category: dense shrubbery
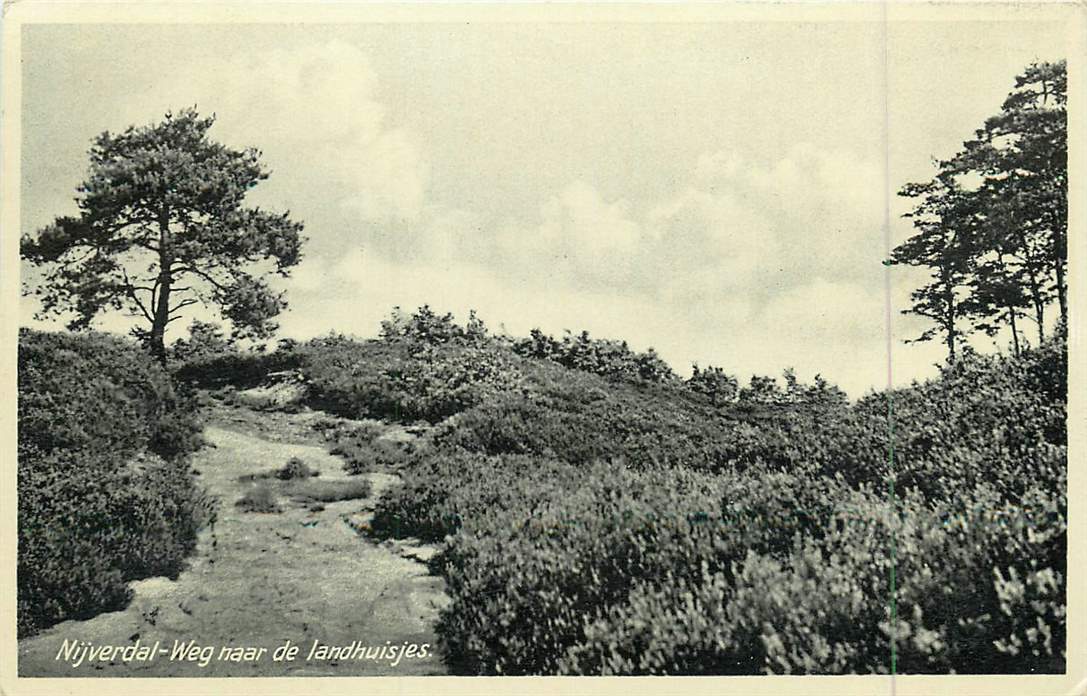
(209, 360)
(605, 357)
(89, 521)
(295, 468)
(582, 427)
(1000, 420)
(602, 516)
(753, 539)
(234, 368)
(427, 327)
(402, 380)
(97, 393)
(425, 366)
(261, 498)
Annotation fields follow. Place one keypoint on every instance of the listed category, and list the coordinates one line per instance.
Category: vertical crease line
(893, 597)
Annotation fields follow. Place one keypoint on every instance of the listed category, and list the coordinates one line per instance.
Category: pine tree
(162, 227)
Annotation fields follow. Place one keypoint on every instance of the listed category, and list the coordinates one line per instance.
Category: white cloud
(716, 272)
(528, 196)
(316, 114)
(388, 177)
(317, 108)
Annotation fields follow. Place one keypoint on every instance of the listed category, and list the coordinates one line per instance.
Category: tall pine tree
(161, 227)
(992, 225)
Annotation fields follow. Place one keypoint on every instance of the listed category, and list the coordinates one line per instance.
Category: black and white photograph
(544, 340)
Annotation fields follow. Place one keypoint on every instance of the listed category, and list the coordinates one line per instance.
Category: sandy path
(259, 580)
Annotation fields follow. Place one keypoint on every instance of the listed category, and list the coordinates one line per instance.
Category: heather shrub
(94, 392)
(205, 341)
(627, 574)
(994, 419)
(89, 522)
(439, 494)
(178, 432)
(637, 530)
(579, 423)
(714, 383)
(427, 327)
(401, 380)
(295, 468)
(605, 357)
(358, 459)
(583, 548)
(260, 498)
(234, 368)
(764, 616)
(88, 526)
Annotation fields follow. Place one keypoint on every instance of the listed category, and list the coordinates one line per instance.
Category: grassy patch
(329, 491)
(295, 468)
(261, 499)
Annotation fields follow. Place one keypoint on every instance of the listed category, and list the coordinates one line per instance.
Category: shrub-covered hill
(601, 515)
(578, 398)
(90, 406)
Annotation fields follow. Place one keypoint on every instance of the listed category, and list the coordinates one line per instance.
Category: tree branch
(181, 305)
(131, 290)
(189, 269)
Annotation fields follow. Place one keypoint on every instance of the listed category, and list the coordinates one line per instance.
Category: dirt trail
(259, 580)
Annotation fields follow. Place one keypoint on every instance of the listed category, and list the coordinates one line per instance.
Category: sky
(716, 191)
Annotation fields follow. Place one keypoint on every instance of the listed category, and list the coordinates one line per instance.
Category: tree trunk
(1015, 331)
(162, 304)
(1062, 292)
(1039, 305)
(1039, 311)
(949, 299)
(951, 338)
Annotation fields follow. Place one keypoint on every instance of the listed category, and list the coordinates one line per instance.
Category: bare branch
(131, 290)
(189, 269)
(181, 305)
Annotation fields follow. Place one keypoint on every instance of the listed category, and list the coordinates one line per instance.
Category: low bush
(364, 450)
(605, 357)
(822, 606)
(94, 392)
(178, 433)
(618, 537)
(402, 381)
(631, 574)
(87, 526)
(565, 420)
(234, 368)
(358, 459)
(260, 498)
(427, 327)
(581, 550)
(995, 419)
(438, 494)
(88, 521)
(295, 468)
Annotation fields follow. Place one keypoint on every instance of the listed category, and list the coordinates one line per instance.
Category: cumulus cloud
(827, 207)
(316, 111)
(748, 265)
(490, 171)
